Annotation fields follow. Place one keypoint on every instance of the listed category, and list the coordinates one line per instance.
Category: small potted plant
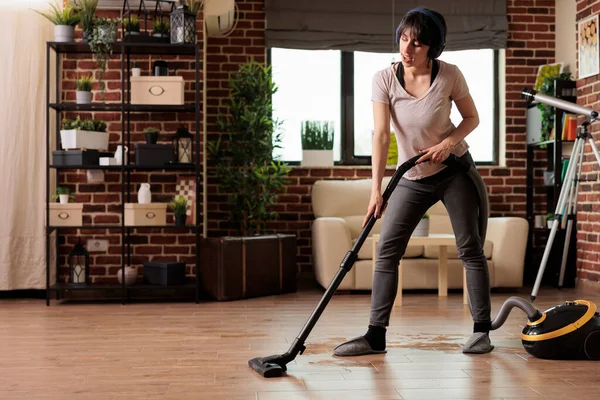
(64, 19)
(179, 207)
(151, 135)
(83, 133)
(550, 217)
(136, 70)
(131, 25)
(87, 11)
(84, 89)
(317, 143)
(160, 29)
(63, 194)
(101, 40)
(422, 228)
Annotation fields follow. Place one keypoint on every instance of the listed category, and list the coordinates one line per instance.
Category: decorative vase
(63, 33)
(83, 97)
(130, 276)
(180, 219)
(144, 194)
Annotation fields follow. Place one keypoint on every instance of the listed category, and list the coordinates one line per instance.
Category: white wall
(566, 34)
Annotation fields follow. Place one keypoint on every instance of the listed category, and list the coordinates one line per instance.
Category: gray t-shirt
(420, 123)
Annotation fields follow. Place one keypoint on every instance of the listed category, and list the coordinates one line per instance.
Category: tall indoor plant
(253, 263)
(246, 168)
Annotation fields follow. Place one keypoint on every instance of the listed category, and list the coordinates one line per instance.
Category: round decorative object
(130, 276)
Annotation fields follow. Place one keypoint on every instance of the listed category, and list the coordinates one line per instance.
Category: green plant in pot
(101, 40)
(317, 143)
(64, 18)
(84, 89)
(251, 177)
(160, 29)
(63, 195)
(246, 168)
(179, 207)
(548, 88)
(87, 11)
(131, 24)
(151, 134)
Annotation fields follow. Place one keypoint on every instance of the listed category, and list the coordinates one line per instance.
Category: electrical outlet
(97, 245)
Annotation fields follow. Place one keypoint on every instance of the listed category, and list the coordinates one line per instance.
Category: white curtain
(23, 144)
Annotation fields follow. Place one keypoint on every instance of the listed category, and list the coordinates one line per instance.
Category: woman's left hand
(437, 153)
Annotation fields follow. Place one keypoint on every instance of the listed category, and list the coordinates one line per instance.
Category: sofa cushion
(432, 251)
(366, 251)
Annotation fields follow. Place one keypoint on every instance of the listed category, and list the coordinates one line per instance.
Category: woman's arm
(470, 120)
(381, 143)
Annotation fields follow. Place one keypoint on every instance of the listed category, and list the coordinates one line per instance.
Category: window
(336, 86)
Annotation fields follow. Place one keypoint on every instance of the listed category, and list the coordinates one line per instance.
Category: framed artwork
(589, 56)
(547, 70)
(186, 186)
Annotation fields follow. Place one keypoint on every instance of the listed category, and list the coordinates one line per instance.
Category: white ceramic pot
(77, 139)
(550, 223)
(83, 97)
(136, 72)
(63, 33)
(63, 198)
(130, 276)
(422, 228)
(144, 194)
(317, 158)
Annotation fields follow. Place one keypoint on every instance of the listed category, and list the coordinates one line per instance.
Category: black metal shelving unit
(553, 162)
(125, 108)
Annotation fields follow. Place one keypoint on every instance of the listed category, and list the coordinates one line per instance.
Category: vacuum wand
(273, 366)
(531, 95)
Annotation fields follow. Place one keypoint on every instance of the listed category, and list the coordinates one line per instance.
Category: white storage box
(151, 214)
(70, 214)
(163, 90)
(78, 139)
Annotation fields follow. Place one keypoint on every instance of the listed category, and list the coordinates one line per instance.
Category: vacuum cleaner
(567, 331)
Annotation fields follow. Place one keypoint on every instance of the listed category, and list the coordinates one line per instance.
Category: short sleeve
(460, 88)
(380, 92)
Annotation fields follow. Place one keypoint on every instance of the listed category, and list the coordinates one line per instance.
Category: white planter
(78, 139)
(422, 228)
(317, 158)
(83, 97)
(63, 198)
(136, 72)
(550, 223)
(63, 33)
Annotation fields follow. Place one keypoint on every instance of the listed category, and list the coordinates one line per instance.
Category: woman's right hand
(375, 206)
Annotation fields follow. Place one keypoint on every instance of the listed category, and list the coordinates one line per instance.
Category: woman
(417, 95)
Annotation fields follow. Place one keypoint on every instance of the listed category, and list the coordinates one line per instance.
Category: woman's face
(412, 52)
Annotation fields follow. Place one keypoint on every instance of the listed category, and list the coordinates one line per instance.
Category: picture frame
(546, 70)
(588, 50)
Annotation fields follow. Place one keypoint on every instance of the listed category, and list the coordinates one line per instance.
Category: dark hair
(427, 26)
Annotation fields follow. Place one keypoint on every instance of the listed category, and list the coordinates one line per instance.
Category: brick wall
(531, 43)
(588, 207)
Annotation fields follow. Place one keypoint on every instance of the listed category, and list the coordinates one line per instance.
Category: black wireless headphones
(434, 51)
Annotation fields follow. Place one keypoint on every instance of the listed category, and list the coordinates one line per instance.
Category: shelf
(128, 48)
(126, 226)
(85, 286)
(546, 142)
(147, 286)
(121, 107)
(86, 227)
(178, 167)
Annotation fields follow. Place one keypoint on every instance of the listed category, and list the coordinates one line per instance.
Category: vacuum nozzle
(269, 367)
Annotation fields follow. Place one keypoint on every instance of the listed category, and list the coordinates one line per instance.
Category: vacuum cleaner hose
(532, 313)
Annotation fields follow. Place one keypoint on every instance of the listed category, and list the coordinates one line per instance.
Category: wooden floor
(75, 350)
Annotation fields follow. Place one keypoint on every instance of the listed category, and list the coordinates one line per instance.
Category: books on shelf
(569, 127)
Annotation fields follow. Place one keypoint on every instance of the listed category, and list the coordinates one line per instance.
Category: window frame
(348, 158)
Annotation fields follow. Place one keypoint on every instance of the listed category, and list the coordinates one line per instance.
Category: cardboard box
(70, 214)
(152, 214)
(158, 90)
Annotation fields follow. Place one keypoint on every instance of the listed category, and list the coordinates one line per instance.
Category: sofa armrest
(330, 242)
(509, 238)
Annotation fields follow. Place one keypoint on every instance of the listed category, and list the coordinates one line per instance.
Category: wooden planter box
(234, 268)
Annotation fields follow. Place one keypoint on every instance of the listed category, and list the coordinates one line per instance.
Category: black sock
(482, 327)
(376, 337)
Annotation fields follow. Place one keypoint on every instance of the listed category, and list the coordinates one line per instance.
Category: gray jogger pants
(407, 204)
